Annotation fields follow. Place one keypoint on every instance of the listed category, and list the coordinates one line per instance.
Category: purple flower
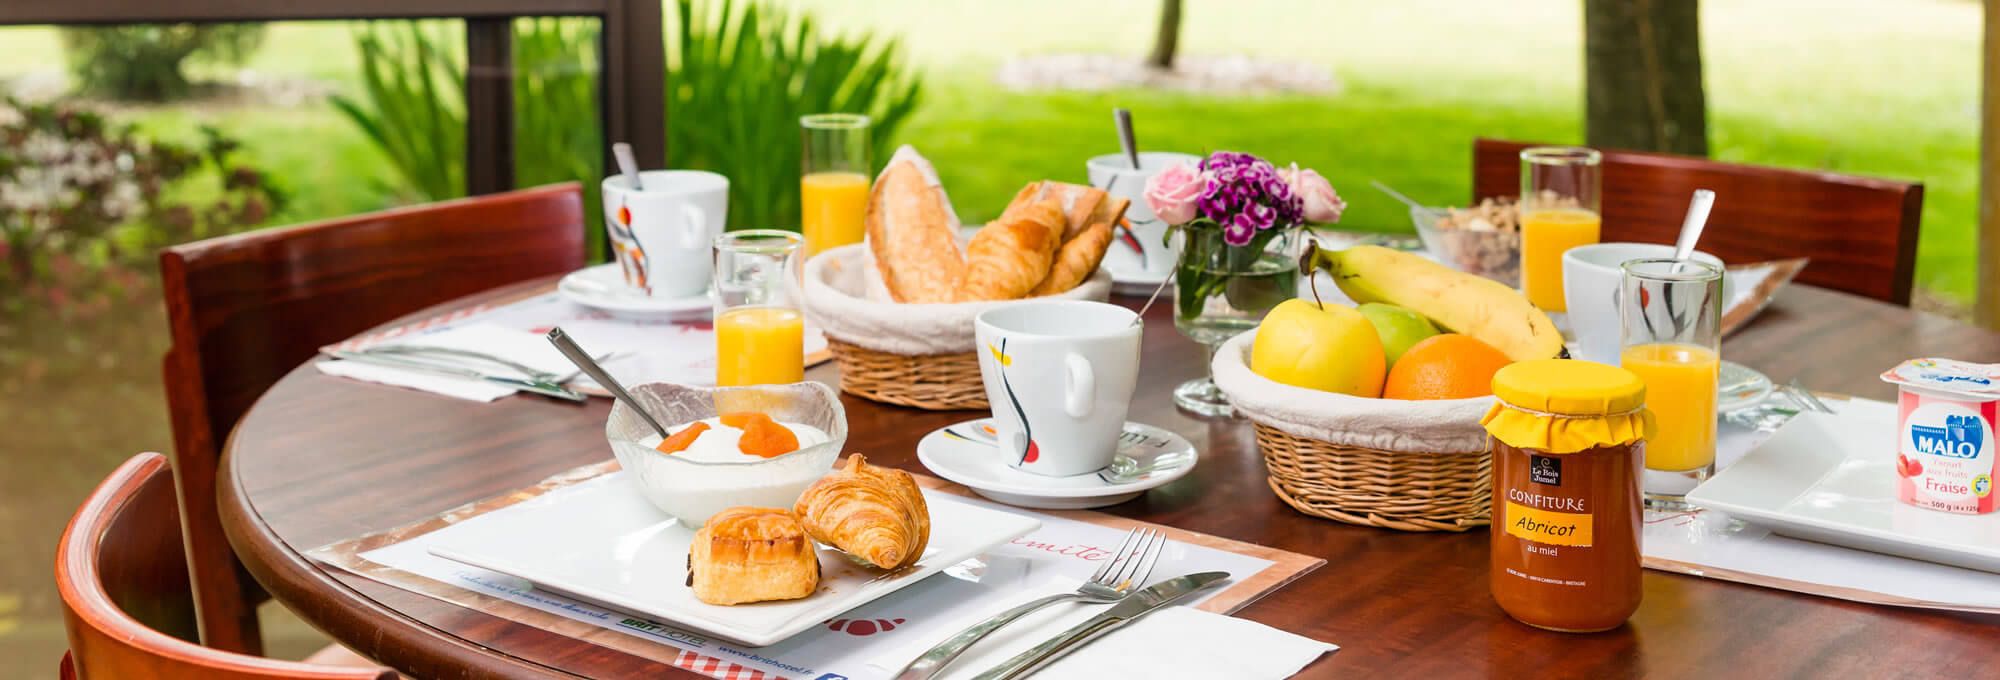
(1260, 215)
(1238, 232)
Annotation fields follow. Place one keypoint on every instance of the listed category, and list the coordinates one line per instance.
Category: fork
(1807, 398)
(1132, 564)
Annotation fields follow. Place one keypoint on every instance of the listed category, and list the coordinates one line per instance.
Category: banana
(1457, 301)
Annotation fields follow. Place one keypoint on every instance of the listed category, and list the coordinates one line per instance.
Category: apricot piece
(682, 439)
(742, 419)
(766, 438)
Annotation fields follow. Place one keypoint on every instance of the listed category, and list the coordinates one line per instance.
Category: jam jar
(1568, 450)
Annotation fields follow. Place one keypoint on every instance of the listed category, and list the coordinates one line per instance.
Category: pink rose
(1322, 205)
(1172, 192)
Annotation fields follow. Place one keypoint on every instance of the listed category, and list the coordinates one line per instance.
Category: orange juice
(834, 207)
(1545, 236)
(1680, 390)
(759, 346)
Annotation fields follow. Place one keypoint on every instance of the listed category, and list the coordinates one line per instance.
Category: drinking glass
(833, 184)
(759, 328)
(1671, 311)
(1560, 192)
(1222, 290)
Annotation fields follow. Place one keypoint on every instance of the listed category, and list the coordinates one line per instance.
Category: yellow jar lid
(1569, 387)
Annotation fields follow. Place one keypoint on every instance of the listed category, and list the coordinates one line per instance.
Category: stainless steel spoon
(589, 366)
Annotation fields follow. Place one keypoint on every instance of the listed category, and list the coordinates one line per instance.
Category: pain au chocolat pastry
(874, 513)
(747, 554)
(913, 233)
(1008, 257)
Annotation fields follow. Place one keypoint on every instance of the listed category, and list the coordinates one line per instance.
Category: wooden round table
(323, 459)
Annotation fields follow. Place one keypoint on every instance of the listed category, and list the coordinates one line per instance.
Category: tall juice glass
(833, 184)
(759, 328)
(1672, 315)
(1561, 188)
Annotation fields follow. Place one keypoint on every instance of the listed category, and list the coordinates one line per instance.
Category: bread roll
(913, 232)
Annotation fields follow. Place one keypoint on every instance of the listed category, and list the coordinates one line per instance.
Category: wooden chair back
(124, 586)
(245, 309)
(1861, 233)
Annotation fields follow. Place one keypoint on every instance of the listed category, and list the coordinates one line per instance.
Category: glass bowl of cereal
(1483, 240)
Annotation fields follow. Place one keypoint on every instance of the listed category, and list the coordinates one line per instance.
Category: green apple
(1323, 347)
(1399, 328)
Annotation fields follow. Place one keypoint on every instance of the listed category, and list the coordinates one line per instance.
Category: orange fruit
(765, 438)
(742, 419)
(1448, 366)
(682, 439)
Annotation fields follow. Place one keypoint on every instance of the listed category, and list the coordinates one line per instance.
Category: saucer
(603, 287)
(966, 453)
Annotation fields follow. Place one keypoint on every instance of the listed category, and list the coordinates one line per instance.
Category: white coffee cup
(1591, 277)
(1060, 376)
(661, 234)
(1114, 174)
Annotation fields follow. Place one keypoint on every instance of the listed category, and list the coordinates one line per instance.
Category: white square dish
(602, 542)
(1831, 478)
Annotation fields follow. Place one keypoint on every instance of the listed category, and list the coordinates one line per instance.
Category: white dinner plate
(967, 453)
(600, 541)
(603, 287)
(1831, 478)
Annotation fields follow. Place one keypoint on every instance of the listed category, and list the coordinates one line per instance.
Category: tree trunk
(1167, 41)
(1986, 299)
(1642, 76)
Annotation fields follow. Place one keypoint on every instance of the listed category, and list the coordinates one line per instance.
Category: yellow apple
(1323, 347)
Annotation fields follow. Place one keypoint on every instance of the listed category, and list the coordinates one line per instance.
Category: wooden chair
(124, 586)
(1861, 233)
(246, 309)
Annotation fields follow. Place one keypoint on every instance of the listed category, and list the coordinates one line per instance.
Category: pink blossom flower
(1322, 205)
(1173, 192)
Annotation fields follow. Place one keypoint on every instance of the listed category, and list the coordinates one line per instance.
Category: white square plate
(1831, 478)
(600, 541)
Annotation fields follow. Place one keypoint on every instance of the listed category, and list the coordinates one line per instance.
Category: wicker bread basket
(1405, 465)
(916, 355)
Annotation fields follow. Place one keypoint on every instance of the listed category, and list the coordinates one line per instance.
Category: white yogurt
(719, 443)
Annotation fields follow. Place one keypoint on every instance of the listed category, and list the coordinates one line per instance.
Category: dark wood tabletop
(322, 459)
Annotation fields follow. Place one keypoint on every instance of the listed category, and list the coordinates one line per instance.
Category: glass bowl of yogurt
(711, 474)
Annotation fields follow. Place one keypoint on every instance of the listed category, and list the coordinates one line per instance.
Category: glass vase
(1220, 291)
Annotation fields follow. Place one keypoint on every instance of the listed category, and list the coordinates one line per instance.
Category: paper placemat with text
(1068, 543)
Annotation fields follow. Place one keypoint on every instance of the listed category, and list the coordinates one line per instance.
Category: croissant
(1078, 257)
(871, 512)
(747, 554)
(1080, 204)
(1008, 257)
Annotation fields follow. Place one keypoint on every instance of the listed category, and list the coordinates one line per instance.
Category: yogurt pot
(1946, 457)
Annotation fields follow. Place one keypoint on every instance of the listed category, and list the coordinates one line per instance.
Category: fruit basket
(1406, 465)
(916, 355)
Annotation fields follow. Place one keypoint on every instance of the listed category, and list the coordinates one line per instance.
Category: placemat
(1065, 537)
(680, 349)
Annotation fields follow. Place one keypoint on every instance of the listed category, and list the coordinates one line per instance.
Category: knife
(1126, 611)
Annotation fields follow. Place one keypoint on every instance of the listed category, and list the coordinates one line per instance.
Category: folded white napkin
(1173, 642)
(450, 386)
(529, 349)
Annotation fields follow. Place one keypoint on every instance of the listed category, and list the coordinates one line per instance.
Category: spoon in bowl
(1697, 218)
(590, 367)
(1127, 142)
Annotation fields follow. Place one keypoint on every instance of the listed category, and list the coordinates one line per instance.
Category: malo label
(1548, 526)
(1946, 456)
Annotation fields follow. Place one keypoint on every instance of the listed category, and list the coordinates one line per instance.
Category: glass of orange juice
(1671, 311)
(833, 184)
(1560, 196)
(759, 328)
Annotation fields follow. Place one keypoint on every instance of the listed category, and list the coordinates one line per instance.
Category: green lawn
(1856, 86)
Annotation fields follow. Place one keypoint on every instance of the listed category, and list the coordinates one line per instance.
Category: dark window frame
(631, 56)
